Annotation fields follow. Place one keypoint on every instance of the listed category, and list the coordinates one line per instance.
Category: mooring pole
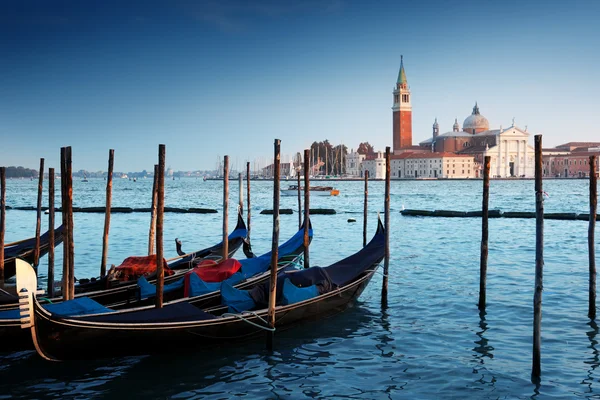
(248, 197)
(111, 159)
(539, 260)
(153, 212)
(299, 200)
(160, 212)
(483, 259)
(241, 195)
(51, 232)
(38, 224)
(225, 207)
(69, 164)
(365, 208)
(65, 222)
(306, 208)
(591, 234)
(274, 245)
(2, 221)
(386, 260)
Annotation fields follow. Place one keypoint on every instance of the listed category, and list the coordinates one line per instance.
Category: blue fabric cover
(148, 290)
(78, 306)
(198, 287)
(10, 314)
(253, 266)
(236, 300)
(294, 294)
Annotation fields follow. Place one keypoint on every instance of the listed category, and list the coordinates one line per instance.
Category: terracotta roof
(580, 144)
(426, 155)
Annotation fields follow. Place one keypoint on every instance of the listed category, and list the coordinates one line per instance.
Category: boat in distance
(314, 191)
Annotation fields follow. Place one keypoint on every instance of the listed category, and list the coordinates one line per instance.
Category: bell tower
(402, 112)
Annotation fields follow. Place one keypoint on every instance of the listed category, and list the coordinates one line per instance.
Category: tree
(365, 148)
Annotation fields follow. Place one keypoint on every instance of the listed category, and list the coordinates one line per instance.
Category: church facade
(509, 149)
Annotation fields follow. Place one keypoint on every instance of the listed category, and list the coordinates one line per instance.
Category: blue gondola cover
(148, 290)
(294, 294)
(236, 300)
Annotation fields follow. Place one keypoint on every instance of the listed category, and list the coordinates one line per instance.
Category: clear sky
(210, 78)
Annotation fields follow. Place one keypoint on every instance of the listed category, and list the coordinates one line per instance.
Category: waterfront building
(509, 149)
(354, 164)
(375, 164)
(432, 166)
(570, 160)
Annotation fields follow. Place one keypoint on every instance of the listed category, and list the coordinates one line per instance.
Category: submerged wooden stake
(386, 260)
(306, 208)
(38, 224)
(274, 245)
(2, 221)
(153, 212)
(160, 211)
(111, 158)
(365, 208)
(539, 260)
(69, 165)
(591, 234)
(483, 259)
(51, 232)
(225, 207)
(248, 197)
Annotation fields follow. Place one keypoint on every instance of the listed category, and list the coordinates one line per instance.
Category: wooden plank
(483, 258)
(111, 158)
(160, 206)
(274, 245)
(38, 224)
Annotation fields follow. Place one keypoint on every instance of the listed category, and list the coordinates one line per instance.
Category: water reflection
(593, 361)
(482, 352)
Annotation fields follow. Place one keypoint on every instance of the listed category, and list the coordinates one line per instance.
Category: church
(509, 149)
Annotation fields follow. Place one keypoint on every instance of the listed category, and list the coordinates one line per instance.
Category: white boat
(314, 191)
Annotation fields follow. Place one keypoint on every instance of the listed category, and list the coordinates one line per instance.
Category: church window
(463, 171)
(396, 98)
(453, 172)
(448, 172)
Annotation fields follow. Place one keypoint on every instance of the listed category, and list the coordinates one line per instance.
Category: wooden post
(299, 201)
(111, 158)
(274, 245)
(65, 223)
(241, 189)
(306, 208)
(38, 224)
(153, 212)
(160, 211)
(539, 260)
(51, 232)
(225, 207)
(483, 259)
(248, 197)
(2, 221)
(365, 208)
(591, 234)
(386, 260)
(69, 164)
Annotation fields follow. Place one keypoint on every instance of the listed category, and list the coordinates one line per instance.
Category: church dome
(476, 122)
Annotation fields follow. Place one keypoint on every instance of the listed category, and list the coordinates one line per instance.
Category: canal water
(430, 343)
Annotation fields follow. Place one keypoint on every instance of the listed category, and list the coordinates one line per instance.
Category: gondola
(253, 271)
(25, 250)
(182, 326)
(108, 292)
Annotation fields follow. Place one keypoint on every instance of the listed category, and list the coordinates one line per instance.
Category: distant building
(375, 164)
(354, 164)
(401, 112)
(570, 160)
(285, 169)
(433, 165)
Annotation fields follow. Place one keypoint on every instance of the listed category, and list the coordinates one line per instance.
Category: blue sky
(210, 78)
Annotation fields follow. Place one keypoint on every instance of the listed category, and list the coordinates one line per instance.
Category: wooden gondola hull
(13, 338)
(25, 250)
(64, 339)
